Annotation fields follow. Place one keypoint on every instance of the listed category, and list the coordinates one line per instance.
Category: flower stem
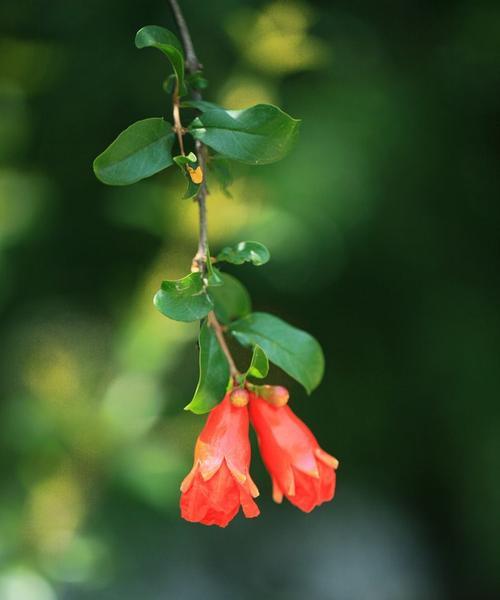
(219, 334)
(193, 65)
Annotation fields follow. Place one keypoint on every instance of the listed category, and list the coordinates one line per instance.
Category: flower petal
(237, 474)
(252, 487)
(188, 480)
(250, 509)
(209, 457)
(326, 458)
(277, 493)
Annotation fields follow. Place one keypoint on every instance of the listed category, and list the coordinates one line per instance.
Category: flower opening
(219, 482)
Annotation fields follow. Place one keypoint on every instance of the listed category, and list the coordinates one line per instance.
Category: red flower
(219, 481)
(299, 468)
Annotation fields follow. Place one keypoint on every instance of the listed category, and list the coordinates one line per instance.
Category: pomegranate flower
(219, 482)
(299, 468)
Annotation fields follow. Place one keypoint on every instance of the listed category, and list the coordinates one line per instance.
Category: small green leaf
(259, 367)
(197, 81)
(214, 373)
(169, 84)
(140, 151)
(181, 160)
(231, 300)
(183, 299)
(291, 349)
(153, 36)
(253, 252)
(192, 189)
(257, 135)
(214, 276)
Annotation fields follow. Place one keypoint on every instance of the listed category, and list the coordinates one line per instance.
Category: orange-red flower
(219, 482)
(299, 468)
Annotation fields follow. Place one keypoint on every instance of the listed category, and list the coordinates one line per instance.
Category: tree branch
(192, 62)
(193, 65)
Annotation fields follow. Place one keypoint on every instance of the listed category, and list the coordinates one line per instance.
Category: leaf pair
(272, 339)
(291, 349)
(257, 135)
(188, 299)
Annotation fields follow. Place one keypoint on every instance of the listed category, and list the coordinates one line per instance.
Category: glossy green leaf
(201, 105)
(214, 373)
(257, 135)
(259, 366)
(183, 299)
(214, 276)
(231, 300)
(253, 252)
(140, 151)
(181, 161)
(164, 40)
(192, 189)
(291, 349)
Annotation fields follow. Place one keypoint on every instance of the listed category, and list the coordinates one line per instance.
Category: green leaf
(181, 160)
(291, 349)
(253, 252)
(183, 299)
(197, 81)
(169, 84)
(153, 36)
(259, 367)
(214, 373)
(231, 300)
(140, 151)
(257, 135)
(192, 189)
(201, 105)
(214, 276)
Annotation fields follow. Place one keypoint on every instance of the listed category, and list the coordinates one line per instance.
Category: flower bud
(239, 397)
(277, 395)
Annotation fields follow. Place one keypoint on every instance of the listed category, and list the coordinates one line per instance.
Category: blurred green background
(384, 229)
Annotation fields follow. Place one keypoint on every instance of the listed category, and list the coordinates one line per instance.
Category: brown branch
(201, 198)
(216, 326)
(193, 65)
(192, 62)
(177, 119)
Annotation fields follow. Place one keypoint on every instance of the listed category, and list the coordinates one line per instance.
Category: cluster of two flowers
(219, 482)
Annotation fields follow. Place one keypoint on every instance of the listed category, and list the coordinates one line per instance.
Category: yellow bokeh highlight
(32, 64)
(226, 215)
(55, 509)
(276, 40)
(53, 374)
(244, 91)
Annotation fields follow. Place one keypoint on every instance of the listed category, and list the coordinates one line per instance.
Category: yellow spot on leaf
(195, 174)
